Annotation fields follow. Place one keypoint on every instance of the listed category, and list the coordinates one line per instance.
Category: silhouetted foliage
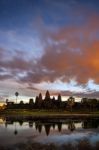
(71, 102)
(21, 102)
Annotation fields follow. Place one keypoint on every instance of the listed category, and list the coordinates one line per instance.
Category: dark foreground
(81, 145)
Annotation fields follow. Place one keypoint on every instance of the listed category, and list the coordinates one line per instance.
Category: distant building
(10, 103)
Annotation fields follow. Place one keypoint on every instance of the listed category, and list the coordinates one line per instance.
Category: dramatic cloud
(74, 52)
(53, 45)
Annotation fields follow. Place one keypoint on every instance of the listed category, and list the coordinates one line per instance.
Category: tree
(71, 102)
(21, 102)
(16, 94)
(84, 103)
(92, 103)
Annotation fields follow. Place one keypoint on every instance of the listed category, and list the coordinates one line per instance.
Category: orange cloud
(73, 52)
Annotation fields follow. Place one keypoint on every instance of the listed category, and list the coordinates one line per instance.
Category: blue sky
(49, 45)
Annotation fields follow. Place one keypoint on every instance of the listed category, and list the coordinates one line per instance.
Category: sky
(49, 45)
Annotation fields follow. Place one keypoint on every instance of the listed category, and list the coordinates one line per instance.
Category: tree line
(48, 103)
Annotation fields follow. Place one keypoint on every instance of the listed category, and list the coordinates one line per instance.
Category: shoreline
(48, 114)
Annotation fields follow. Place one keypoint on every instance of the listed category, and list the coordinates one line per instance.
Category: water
(58, 131)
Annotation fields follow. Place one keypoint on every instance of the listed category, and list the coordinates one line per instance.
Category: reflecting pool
(18, 130)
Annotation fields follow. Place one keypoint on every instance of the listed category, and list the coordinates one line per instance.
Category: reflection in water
(71, 125)
(31, 124)
(47, 129)
(59, 127)
(15, 130)
(40, 128)
(51, 125)
(21, 122)
(90, 124)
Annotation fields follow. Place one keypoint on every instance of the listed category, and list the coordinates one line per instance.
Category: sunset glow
(49, 45)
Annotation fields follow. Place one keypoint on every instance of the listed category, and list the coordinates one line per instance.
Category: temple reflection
(59, 127)
(21, 122)
(71, 125)
(49, 125)
(31, 124)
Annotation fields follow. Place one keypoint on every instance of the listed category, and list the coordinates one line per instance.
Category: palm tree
(16, 94)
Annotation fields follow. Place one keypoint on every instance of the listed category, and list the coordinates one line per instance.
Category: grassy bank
(47, 113)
